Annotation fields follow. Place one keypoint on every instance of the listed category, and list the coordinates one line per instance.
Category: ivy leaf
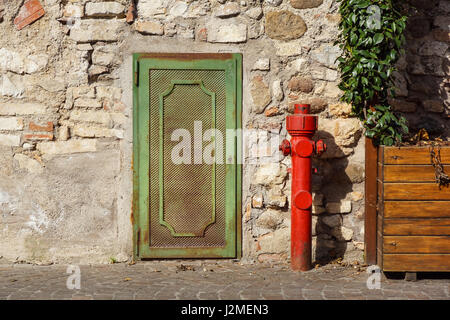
(378, 38)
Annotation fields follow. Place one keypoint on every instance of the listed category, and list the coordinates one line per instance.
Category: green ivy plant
(371, 40)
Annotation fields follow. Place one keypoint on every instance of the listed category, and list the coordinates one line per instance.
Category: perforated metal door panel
(192, 209)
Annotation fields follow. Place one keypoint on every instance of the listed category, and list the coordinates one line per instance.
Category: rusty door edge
(239, 93)
(135, 162)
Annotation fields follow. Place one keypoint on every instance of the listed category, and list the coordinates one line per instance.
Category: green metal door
(188, 107)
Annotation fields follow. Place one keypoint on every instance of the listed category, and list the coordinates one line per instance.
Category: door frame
(140, 203)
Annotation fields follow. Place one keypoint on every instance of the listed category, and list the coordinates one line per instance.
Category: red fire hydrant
(301, 126)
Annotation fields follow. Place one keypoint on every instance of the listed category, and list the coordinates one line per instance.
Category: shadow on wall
(335, 184)
(423, 78)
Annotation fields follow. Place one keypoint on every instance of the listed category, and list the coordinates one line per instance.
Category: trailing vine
(371, 40)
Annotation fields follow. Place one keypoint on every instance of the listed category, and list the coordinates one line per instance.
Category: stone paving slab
(222, 280)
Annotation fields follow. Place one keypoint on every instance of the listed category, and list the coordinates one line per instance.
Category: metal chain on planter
(441, 177)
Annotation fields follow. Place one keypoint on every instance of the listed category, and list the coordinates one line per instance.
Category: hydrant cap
(303, 200)
(304, 148)
(301, 122)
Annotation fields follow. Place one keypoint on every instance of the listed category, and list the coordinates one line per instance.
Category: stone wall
(423, 73)
(66, 125)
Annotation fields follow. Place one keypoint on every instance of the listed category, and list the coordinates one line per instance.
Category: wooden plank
(416, 227)
(380, 190)
(380, 237)
(413, 155)
(370, 222)
(417, 209)
(416, 262)
(380, 172)
(410, 173)
(379, 258)
(416, 244)
(415, 191)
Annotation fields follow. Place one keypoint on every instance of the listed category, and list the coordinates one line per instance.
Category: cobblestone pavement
(209, 280)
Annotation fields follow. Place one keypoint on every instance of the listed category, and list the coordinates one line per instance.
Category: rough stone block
(227, 10)
(433, 106)
(260, 94)
(340, 109)
(226, 31)
(302, 84)
(339, 207)
(83, 92)
(102, 117)
(288, 49)
(323, 73)
(11, 124)
(433, 48)
(342, 233)
(73, 10)
(284, 25)
(12, 86)
(262, 64)
(275, 242)
(2, 10)
(274, 3)
(96, 132)
(441, 35)
(257, 201)
(326, 55)
(270, 219)
(95, 70)
(29, 164)
(332, 221)
(403, 106)
(317, 199)
(87, 103)
(97, 30)
(339, 135)
(272, 111)
(254, 13)
(318, 209)
(63, 133)
(65, 147)
(111, 93)
(305, 4)
(104, 9)
(150, 27)
(275, 199)
(11, 140)
(443, 22)
(102, 58)
(20, 63)
(11, 109)
(270, 173)
(277, 90)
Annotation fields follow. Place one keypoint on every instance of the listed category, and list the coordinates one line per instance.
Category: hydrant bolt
(321, 147)
(285, 147)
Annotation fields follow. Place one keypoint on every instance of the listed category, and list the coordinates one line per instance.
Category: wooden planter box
(412, 214)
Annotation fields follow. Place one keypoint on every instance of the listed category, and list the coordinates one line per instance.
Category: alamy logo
(374, 280)
(374, 19)
(199, 146)
(74, 14)
(74, 280)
